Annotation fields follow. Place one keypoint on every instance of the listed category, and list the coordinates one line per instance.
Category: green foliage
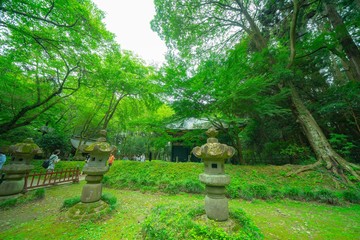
(63, 164)
(326, 196)
(52, 141)
(74, 205)
(188, 222)
(341, 144)
(47, 48)
(29, 197)
(352, 195)
(297, 153)
(249, 183)
(39, 193)
(8, 203)
(17, 135)
(259, 191)
(110, 199)
(68, 203)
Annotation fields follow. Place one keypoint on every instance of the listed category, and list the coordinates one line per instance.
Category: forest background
(279, 79)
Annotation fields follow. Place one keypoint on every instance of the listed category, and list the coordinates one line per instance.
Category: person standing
(54, 158)
(111, 159)
(142, 158)
(2, 159)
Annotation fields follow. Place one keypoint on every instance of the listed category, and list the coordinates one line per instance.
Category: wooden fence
(35, 180)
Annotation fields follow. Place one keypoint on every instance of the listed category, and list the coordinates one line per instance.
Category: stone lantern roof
(26, 147)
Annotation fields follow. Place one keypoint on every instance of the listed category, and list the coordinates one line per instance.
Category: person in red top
(111, 159)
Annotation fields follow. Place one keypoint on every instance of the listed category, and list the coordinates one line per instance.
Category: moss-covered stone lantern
(95, 168)
(19, 166)
(214, 155)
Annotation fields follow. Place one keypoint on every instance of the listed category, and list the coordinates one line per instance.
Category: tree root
(338, 167)
(305, 168)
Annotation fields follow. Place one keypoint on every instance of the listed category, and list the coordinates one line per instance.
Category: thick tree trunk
(324, 152)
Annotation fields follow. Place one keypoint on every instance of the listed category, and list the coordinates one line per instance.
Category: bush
(259, 191)
(326, 196)
(172, 188)
(352, 196)
(277, 194)
(233, 191)
(68, 203)
(8, 203)
(246, 194)
(191, 186)
(293, 193)
(39, 193)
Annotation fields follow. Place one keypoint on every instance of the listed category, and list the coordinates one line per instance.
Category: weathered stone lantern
(15, 171)
(95, 169)
(214, 155)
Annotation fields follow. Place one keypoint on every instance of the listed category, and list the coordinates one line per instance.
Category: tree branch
(39, 18)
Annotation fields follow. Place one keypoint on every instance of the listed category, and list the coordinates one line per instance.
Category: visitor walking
(54, 158)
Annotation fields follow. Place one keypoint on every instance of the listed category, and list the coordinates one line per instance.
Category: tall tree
(196, 27)
(47, 50)
(349, 47)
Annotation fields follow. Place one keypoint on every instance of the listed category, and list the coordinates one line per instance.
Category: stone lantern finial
(212, 132)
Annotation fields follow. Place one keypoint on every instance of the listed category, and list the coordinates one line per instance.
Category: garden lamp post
(214, 155)
(95, 168)
(15, 171)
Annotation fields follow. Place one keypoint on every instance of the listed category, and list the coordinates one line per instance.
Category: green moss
(76, 210)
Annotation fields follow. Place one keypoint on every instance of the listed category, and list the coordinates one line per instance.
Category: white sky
(130, 21)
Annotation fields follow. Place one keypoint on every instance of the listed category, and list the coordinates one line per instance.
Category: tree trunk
(348, 45)
(240, 157)
(324, 152)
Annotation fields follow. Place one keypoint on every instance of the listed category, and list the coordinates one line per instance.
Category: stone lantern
(15, 171)
(214, 155)
(95, 169)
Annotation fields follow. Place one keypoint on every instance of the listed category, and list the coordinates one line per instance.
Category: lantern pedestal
(92, 191)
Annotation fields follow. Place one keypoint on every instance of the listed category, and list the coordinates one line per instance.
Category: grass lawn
(139, 187)
(281, 219)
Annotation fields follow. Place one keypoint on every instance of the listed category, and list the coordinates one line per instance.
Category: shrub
(233, 191)
(309, 195)
(172, 188)
(8, 203)
(352, 196)
(277, 194)
(109, 199)
(39, 193)
(68, 203)
(259, 191)
(192, 186)
(246, 194)
(326, 196)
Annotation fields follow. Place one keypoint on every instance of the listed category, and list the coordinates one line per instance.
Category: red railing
(35, 180)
